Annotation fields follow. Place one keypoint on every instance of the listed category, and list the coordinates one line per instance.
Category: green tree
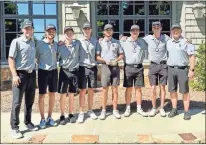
(200, 75)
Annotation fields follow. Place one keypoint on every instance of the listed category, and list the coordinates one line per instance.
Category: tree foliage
(200, 75)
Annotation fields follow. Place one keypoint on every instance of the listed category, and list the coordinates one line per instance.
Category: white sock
(138, 107)
(81, 113)
(104, 110)
(128, 107)
(114, 110)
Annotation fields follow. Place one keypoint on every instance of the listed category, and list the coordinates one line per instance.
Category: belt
(179, 67)
(88, 67)
(70, 69)
(25, 71)
(136, 65)
(161, 62)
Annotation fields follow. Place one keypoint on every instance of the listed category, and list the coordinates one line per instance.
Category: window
(123, 14)
(13, 15)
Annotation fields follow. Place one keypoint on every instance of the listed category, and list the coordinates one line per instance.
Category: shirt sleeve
(190, 49)
(120, 49)
(37, 48)
(146, 38)
(13, 49)
(167, 37)
(98, 48)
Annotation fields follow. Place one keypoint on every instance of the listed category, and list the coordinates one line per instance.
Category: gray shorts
(87, 77)
(133, 76)
(178, 76)
(110, 75)
(158, 74)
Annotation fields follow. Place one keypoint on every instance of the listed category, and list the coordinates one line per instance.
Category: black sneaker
(173, 113)
(71, 118)
(187, 115)
(30, 126)
(62, 120)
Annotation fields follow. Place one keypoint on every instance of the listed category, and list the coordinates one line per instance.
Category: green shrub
(198, 83)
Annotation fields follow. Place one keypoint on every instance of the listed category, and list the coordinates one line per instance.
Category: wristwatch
(192, 70)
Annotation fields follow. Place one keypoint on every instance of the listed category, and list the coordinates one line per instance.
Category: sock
(127, 106)
(81, 112)
(104, 110)
(138, 107)
(114, 110)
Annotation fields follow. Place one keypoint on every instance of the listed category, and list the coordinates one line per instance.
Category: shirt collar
(173, 40)
(104, 40)
(23, 38)
(84, 38)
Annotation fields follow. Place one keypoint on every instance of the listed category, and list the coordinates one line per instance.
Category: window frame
(30, 16)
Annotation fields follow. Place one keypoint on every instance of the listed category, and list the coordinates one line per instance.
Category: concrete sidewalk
(134, 129)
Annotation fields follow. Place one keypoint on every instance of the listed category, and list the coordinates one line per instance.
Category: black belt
(70, 69)
(88, 67)
(179, 67)
(161, 62)
(25, 71)
(136, 65)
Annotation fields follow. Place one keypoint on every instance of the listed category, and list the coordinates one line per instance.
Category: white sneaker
(152, 113)
(80, 118)
(141, 112)
(92, 115)
(204, 112)
(116, 114)
(162, 112)
(102, 115)
(127, 113)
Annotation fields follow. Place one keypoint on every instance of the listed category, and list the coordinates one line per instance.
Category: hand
(124, 38)
(100, 39)
(188, 40)
(114, 63)
(60, 43)
(191, 75)
(108, 62)
(16, 81)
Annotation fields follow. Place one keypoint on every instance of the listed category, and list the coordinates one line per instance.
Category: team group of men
(172, 60)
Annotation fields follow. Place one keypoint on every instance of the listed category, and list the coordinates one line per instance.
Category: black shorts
(87, 76)
(133, 76)
(68, 81)
(110, 75)
(178, 76)
(158, 74)
(47, 78)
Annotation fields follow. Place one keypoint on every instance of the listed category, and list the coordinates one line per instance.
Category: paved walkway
(134, 129)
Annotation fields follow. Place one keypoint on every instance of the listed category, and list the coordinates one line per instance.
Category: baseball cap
(50, 26)
(27, 23)
(68, 28)
(108, 26)
(176, 26)
(86, 25)
(157, 23)
(134, 27)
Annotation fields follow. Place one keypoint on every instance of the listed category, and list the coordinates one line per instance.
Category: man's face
(108, 32)
(156, 29)
(50, 33)
(176, 32)
(87, 31)
(69, 34)
(28, 31)
(134, 32)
